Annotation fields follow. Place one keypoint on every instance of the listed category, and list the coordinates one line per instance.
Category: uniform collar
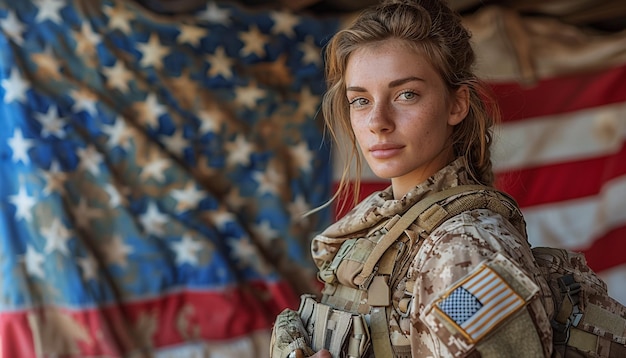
(381, 205)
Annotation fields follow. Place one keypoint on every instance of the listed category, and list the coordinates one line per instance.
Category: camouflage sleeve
(476, 291)
(288, 335)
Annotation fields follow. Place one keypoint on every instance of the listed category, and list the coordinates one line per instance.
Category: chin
(384, 174)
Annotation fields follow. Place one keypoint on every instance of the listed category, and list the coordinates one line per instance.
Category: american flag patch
(479, 303)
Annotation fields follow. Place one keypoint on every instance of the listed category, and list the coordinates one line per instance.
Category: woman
(401, 87)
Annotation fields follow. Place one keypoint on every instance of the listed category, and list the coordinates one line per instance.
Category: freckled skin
(401, 113)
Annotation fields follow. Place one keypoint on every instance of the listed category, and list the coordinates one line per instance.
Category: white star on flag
(253, 42)
(90, 159)
(311, 52)
(284, 23)
(15, 87)
(153, 52)
(214, 14)
(175, 143)
(249, 95)
(219, 64)
(118, 133)
(119, 17)
(49, 10)
(239, 151)
(118, 77)
(187, 250)
(20, 147)
(188, 198)
(155, 169)
(191, 34)
(302, 156)
(153, 220)
(265, 231)
(84, 101)
(115, 199)
(269, 181)
(13, 27)
(24, 204)
(51, 123)
(34, 262)
(56, 235)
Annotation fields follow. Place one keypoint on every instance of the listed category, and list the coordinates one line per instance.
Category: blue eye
(408, 95)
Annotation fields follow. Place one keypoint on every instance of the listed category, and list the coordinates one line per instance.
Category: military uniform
(471, 288)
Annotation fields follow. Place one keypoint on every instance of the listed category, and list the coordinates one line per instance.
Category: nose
(380, 120)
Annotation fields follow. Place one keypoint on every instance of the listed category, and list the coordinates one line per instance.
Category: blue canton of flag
(460, 305)
(154, 172)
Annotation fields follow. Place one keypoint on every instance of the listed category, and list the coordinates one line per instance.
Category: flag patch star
(479, 303)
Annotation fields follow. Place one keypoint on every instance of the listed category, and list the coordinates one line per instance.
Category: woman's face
(401, 113)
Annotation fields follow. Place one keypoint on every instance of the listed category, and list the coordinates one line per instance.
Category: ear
(459, 106)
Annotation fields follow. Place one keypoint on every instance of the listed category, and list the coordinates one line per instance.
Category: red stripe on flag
(341, 208)
(607, 251)
(17, 340)
(169, 320)
(561, 95)
(562, 181)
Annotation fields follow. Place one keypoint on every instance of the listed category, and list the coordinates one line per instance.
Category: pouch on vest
(342, 333)
(348, 262)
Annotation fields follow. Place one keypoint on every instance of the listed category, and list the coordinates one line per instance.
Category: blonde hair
(434, 29)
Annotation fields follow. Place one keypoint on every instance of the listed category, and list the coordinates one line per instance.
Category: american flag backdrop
(154, 169)
(153, 173)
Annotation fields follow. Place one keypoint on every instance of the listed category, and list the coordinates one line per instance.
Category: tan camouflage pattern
(289, 334)
(603, 321)
(451, 252)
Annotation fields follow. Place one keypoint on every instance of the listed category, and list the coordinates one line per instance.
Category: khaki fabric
(289, 334)
(450, 255)
(525, 49)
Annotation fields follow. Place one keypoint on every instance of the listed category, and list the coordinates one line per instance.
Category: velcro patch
(474, 306)
(478, 303)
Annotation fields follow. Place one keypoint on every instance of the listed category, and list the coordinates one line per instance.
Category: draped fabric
(154, 169)
(153, 175)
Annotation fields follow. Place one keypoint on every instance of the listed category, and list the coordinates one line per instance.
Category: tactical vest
(357, 285)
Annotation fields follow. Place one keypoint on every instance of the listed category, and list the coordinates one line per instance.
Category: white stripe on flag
(614, 278)
(575, 224)
(564, 137)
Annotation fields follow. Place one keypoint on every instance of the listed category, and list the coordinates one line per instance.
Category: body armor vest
(367, 280)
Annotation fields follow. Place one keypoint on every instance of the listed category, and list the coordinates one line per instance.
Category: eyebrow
(392, 84)
(402, 81)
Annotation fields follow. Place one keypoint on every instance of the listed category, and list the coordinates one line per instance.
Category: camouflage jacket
(446, 317)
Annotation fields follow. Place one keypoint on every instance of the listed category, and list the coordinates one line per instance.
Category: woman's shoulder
(478, 231)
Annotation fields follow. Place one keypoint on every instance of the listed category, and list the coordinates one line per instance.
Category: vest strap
(379, 328)
(405, 221)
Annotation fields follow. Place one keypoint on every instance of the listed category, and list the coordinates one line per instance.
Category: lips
(385, 150)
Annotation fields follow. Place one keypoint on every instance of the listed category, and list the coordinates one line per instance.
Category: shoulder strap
(431, 215)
